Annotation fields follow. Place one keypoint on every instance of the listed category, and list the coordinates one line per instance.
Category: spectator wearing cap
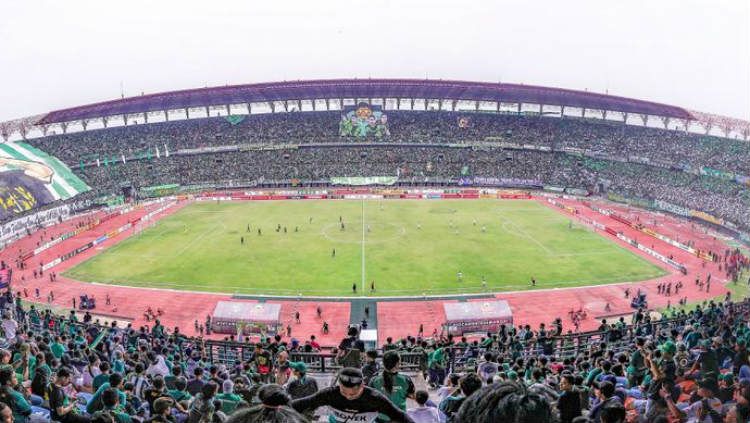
(351, 400)
(301, 385)
(663, 369)
(604, 392)
(726, 388)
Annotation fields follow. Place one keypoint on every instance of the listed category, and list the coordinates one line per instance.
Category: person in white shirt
(424, 414)
(487, 369)
(700, 411)
(10, 327)
(451, 384)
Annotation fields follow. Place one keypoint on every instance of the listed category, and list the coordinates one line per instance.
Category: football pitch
(323, 247)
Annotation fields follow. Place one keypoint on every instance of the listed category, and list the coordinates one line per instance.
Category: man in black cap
(351, 401)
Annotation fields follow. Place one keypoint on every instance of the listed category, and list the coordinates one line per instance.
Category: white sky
(63, 53)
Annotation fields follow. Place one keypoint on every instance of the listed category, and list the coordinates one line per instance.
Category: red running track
(395, 318)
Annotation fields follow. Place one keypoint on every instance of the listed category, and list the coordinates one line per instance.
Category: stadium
(483, 241)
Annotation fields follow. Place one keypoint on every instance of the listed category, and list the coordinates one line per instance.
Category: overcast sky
(57, 54)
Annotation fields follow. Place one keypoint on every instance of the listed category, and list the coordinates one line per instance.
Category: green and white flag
(39, 166)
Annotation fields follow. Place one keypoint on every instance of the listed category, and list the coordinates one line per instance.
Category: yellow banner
(707, 217)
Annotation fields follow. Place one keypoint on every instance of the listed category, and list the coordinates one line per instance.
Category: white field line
(363, 248)
(526, 235)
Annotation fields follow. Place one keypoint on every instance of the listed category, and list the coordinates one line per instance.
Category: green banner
(159, 190)
(638, 202)
(364, 180)
(110, 200)
(715, 173)
(235, 119)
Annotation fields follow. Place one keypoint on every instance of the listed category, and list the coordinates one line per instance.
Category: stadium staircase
(357, 313)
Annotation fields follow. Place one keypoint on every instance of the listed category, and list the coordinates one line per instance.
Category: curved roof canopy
(363, 88)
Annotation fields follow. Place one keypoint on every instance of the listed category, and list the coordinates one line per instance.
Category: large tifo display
(30, 178)
(364, 121)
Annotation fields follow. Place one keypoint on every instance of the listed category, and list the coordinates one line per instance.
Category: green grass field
(407, 247)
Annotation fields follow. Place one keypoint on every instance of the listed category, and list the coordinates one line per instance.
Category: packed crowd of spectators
(417, 164)
(606, 137)
(307, 155)
(690, 367)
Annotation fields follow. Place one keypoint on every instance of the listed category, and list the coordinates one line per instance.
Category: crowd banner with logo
(577, 191)
(706, 217)
(500, 182)
(364, 180)
(18, 227)
(159, 190)
(672, 208)
(30, 178)
(253, 318)
(476, 316)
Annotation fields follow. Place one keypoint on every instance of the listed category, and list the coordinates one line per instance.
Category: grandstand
(667, 184)
(676, 193)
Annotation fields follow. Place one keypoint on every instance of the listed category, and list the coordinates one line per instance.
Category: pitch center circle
(375, 232)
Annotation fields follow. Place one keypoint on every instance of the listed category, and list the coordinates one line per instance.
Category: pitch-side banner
(364, 180)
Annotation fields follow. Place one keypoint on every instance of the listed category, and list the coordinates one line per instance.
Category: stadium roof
(364, 88)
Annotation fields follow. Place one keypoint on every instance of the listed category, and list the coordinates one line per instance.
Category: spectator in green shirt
(24, 362)
(392, 384)
(180, 393)
(102, 377)
(170, 379)
(14, 399)
(95, 403)
(111, 402)
(229, 400)
(58, 347)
